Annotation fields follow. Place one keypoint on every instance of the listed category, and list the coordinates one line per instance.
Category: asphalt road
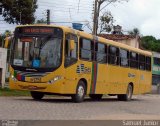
(60, 108)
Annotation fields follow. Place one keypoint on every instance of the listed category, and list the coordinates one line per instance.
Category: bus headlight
(13, 78)
(54, 79)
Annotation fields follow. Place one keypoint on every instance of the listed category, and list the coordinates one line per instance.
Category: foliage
(19, 11)
(7, 33)
(106, 22)
(41, 21)
(135, 32)
(150, 43)
(9, 92)
(147, 42)
(99, 8)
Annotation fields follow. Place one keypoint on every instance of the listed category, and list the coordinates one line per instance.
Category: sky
(141, 14)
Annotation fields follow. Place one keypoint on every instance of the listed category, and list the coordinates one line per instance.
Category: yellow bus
(48, 59)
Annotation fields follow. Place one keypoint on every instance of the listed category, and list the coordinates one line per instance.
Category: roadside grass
(9, 92)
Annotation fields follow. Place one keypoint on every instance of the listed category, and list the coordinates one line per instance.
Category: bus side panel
(76, 72)
(148, 82)
(133, 78)
(142, 82)
(120, 77)
(117, 84)
(145, 82)
(125, 80)
(102, 85)
(71, 79)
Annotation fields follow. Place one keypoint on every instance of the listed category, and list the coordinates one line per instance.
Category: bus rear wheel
(128, 95)
(96, 97)
(80, 92)
(37, 95)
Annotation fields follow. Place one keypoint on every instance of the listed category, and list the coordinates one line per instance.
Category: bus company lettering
(81, 69)
(131, 75)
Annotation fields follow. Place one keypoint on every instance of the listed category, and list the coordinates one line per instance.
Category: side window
(86, 49)
(141, 62)
(133, 60)
(101, 53)
(148, 63)
(70, 55)
(156, 60)
(124, 55)
(113, 56)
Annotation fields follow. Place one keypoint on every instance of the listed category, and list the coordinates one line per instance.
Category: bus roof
(90, 36)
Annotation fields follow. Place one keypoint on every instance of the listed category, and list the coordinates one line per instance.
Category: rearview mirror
(72, 44)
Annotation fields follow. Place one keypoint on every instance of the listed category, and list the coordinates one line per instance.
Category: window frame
(105, 52)
(81, 48)
(116, 56)
(143, 62)
(131, 60)
(156, 60)
(76, 44)
(127, 58)
(148, 64)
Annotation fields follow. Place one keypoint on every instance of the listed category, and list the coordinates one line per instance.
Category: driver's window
(70, 55)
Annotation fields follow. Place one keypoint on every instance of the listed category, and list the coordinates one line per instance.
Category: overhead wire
(63, 7)
(73, 4)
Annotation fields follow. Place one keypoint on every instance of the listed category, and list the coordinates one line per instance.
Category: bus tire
(128, 95)
(80, 92)
(96, 97)
(37, 95)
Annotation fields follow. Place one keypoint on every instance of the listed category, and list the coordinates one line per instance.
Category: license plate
(36, 79)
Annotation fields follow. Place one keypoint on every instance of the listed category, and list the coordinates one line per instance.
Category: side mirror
(72, 44)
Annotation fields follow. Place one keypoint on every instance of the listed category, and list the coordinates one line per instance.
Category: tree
(7, 33)
(41, 21)
(135, 32)
(106, 22)
(150, 43)
(98, 9)
(19, 11)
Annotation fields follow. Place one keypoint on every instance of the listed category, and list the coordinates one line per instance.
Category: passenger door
(70, 63)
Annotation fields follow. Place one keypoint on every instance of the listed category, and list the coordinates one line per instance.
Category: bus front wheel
(80, 92)
(37, 95)
(128, 95)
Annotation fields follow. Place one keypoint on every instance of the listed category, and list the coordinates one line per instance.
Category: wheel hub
(80, 91)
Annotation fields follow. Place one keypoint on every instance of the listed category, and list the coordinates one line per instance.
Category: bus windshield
(37, 51)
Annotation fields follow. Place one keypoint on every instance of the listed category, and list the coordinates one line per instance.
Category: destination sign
(37, 30)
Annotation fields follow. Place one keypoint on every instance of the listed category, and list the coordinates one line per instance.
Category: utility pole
(97, 10)
(48, 16)
(1, 9)
(20, 17)
(95, 18)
